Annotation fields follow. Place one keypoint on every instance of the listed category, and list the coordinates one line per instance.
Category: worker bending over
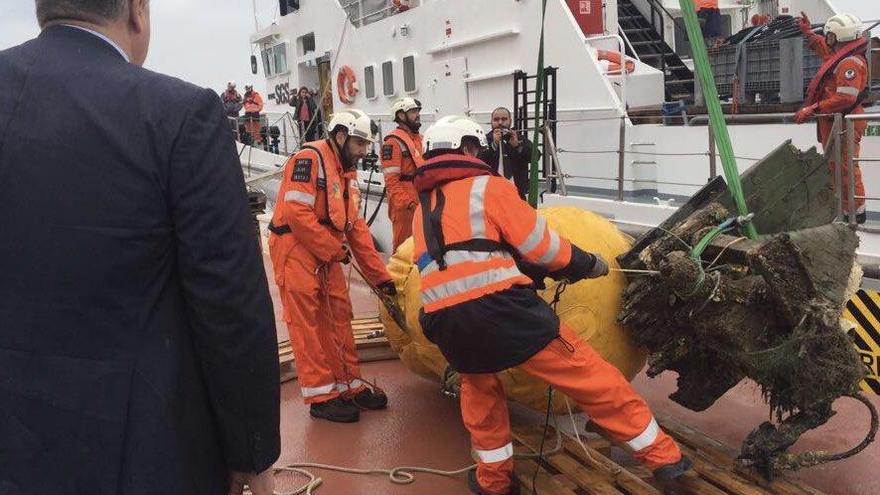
(401, 156)
(840, 86)
(316, 215)
(485, 315)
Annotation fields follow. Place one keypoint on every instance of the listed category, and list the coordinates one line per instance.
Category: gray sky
(206, 41)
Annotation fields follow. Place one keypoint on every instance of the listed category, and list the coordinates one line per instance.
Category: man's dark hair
(92, 11)
(509, 113)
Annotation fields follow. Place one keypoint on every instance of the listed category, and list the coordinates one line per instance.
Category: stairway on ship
(651, 49)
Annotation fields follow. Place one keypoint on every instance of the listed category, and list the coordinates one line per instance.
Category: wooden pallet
(608, 470)
(369, 338)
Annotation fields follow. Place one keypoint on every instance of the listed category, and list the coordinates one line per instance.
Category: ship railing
(362, 15)
(842, 137)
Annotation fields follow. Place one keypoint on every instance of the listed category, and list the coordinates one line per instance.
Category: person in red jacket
(401, 156)
(474, 238)
(839, 87)
(315, 221)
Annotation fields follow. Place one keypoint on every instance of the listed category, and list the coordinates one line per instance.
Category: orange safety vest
(253, 103)
(411, 154)
(477, 247)
(336, 199)
(470, 229)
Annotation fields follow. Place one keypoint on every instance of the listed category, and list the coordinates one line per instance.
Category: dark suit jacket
(515, 162)
(137, 340)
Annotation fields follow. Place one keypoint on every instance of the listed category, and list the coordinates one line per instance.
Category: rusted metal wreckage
(725, 308)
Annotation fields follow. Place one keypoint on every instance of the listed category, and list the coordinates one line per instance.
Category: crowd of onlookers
(305, 112)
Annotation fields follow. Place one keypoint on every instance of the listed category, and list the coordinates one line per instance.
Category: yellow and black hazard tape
(864, 311)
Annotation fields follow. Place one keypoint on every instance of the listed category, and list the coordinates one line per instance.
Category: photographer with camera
(508, 153)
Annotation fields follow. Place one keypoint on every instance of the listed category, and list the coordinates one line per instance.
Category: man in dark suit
(508, 153)
(138, 351)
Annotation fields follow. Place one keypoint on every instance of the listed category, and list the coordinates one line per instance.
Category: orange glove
(805, 113)
(805, 25)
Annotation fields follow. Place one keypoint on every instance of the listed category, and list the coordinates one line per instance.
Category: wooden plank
(545, 484)
(726, 479)
(593, 472)
(725, 457)
(625, 480)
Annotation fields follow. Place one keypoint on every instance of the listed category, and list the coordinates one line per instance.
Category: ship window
(280, 52)
(388, 78)
(288, 6)
(409, 74)
(370, 81)
(275, 60)
(268, 68)
(306, 43)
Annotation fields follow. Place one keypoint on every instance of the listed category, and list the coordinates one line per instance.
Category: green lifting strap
(716, 116)
(539, 105)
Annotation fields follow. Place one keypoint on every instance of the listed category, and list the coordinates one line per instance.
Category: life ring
(346, 85)
(402, 5)
(615, 59)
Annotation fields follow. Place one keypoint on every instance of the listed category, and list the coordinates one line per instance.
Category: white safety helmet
(230, 84)
(448, 133)
(357, 122)
(846, 27)
(405, 104)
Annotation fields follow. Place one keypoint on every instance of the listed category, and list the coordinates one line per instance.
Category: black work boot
(475, 487)
(367, 399)
(337, 410)
(669, 476)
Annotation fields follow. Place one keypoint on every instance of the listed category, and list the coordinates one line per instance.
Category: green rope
(539, 100)
(716, 116)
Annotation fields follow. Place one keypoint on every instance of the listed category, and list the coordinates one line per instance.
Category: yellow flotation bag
(590, 307)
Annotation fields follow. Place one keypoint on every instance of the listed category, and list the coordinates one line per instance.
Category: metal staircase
(646, 39)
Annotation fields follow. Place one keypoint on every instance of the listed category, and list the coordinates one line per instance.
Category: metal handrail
(628, 43)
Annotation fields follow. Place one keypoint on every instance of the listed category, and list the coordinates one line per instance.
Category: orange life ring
(616, 60)
(346, 85)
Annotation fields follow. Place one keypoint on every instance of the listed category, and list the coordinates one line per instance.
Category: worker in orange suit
(475, 240)
(253, 105)
(401, 156)
(840, 86)
(711, 22)
(316, 220)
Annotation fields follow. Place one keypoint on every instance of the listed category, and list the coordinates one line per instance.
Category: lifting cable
(539, 100)
(716, 115)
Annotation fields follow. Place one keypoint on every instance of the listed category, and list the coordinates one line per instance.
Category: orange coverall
(475, 280)
(315, 215)
(838, 93)
(253, 104)
(401, 156)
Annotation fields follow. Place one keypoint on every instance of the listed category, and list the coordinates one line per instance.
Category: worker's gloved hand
(804, 114)
(370, 161)
(343, 256)
(535, 272)
(805, 25)
(600, 268)
(388, 288)
(412, 206)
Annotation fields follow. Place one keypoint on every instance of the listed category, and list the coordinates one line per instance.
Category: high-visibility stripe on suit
(401, 156)
(472, 233)
(317, 211)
